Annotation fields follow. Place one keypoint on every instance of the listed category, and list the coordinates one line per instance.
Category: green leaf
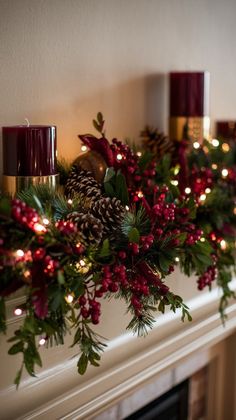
(60, 277)
(82, 364)
(105, 250)
(18, 377)
(100, 117)
(134, 235)
(110, 173)
(121, 189)
(16, 348)
(30, 325)
(144, 160)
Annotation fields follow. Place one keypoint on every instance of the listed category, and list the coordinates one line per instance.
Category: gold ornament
(93, 162)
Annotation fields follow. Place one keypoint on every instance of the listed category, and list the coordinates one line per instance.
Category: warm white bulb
(202, 239)
(177, 259)
(225, 172)
(196, 145)
(187, 190)
(140, 194)
(202, 197)
(69, 298)
(215, 142)
(214, 166)
(223, 244)
(39, 228)
(18, 311)
(207, 190)
(82, 263)
(84, 148)
(42, 341)
(174, 182)
(20, 253)
(45, 221)
(139, 154)
(119, 156)
(69, 201)
(225, 147)
(127, 208)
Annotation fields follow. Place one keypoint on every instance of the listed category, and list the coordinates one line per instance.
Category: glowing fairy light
(202, 197)
(69, 201)
(119, 157)
(42, 341)
(27, 274)
(20, 253)
(225, 172)
(82, 263)
(39, 228)
(140, 194)
(69, 298)
(225, 147)
(139, 154)
(187, 190)
(223, 244)
(174, 182)
(196, 145)
(127, 208)
(18, 312)
(202, 239)
(215, 142)
(207, 190)
(214, 166)
(84, 148)
(177, 259)
(45, 221)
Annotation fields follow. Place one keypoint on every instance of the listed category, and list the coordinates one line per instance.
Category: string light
(18, 311)
(225, 173)
(127, 208)
(119, 157)
(20, 253)
(39, 228)
(174, 182)
(215, 142)
(223, 244)
(82, 263)
(202, 197)
(196, 145)
(69, 298)
(177, 259)
(225, 147)
(84, 148)
(207, 190)
(42, 341)
(139, 154)
(69, 201)
(45, 221)
(202, 239)
(27, 274)
(214, 166)
(176, 170)
(140, 194)
(187, 190)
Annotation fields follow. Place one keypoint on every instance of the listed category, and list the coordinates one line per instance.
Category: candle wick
(27, 122)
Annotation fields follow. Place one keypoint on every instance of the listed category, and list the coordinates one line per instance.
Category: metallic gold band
(14, 184)
(197, 128)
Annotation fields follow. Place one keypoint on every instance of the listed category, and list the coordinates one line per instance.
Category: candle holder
(189, 106)
(29, 157)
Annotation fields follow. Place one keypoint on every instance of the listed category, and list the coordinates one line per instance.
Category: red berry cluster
(193, 234)
(124, 158)
(207, 278)
(49, 264)
(163, 212)
(24, 214)
(90, 307)
(66, 227)
(200, 180)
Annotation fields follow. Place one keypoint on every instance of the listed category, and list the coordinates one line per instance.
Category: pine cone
(82, 183)
(90, 229)
(110, 211)
(157, 143)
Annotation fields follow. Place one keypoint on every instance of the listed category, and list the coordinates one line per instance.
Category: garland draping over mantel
(123, 220)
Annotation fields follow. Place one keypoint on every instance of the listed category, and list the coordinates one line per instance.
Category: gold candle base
(15, 184)
(196, 128)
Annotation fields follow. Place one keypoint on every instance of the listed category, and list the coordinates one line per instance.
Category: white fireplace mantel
(59, 392)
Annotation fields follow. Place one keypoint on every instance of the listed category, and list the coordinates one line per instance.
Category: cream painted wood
(129, 362)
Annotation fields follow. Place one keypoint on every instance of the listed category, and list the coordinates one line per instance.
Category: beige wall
(63, 60)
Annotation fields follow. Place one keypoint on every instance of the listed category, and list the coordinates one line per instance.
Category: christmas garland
(119, 235)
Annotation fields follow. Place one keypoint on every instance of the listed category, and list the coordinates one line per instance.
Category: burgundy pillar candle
(189, 104)
(226, 129)
(29, 156)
